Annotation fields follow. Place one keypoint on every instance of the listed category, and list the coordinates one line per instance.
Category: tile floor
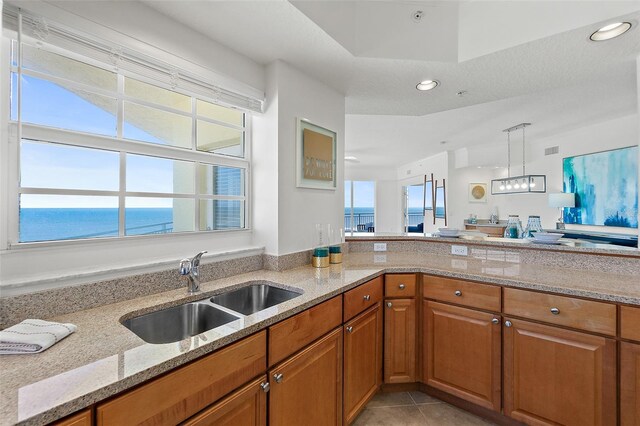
(414, 408)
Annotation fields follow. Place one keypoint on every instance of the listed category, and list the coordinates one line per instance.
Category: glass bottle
(533, 226)
(514, 227)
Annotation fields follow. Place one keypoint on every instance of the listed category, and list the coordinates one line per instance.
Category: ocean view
(46, 224)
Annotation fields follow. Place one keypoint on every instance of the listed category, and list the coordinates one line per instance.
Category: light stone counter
(103, 357)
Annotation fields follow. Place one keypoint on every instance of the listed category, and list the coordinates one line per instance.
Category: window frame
(18, 131)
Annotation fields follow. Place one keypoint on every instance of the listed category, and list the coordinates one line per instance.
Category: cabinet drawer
(295, 333)
(362, 298)
(481, 296)
(630, 323)
(586, 315)
(400, 285)
(187, 390)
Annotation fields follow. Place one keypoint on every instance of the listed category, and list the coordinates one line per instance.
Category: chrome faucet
(191, 268)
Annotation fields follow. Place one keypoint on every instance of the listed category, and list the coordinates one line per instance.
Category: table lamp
(560, 200)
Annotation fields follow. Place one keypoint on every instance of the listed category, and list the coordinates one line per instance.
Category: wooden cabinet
(461, 292)
(629, 384)
(245, 407)
(630, 323)
(293, 334)
(183, 392)
(362, 297)
(400, 341)
(400, 285)
(306, 389)
(556, 376)
(362, 360)
(462, 353)
(82, 418)
(588, 315)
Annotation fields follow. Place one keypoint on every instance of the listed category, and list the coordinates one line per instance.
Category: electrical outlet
(459, 250)
(379, 258)
(379, 246)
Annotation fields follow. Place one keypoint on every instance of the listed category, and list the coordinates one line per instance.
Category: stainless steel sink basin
(253, 298)
(177, 323)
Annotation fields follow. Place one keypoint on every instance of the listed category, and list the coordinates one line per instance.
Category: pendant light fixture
(518, 184)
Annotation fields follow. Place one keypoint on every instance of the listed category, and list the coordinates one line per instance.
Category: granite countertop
(103, 357)
(472, 237)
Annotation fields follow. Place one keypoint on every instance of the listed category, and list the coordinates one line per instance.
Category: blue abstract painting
(606, 188)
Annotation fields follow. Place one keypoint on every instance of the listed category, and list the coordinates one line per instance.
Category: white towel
(32, 336)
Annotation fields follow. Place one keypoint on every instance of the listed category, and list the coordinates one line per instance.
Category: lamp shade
(562, 199)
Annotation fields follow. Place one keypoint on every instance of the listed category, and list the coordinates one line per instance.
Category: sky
(66, 167)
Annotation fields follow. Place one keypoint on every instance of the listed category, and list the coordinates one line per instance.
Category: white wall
(285, 216)
(299, 209)
(459, 207)
(264, 167)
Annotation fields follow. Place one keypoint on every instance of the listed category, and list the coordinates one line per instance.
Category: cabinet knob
(458, 293)
(495, 321)
(278, 378)
(508, 323)
(367, 298)
(349, 329)
(389, 304)
(555, 311)
(265, 387)
(401, 286)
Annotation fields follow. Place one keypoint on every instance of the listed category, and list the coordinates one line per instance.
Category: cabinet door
(245, 407)
(306, 389)
(83, 418)
(400, 341)
(362, 360)
(556, 376)
(629, 384)
(462, 353)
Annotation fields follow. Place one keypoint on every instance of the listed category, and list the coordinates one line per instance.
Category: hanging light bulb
(516, 185)
(532, 184)
(502, 186)
(509, 185)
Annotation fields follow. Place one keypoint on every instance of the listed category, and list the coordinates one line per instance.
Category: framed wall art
(606, 188)
(315, 156)
(477, 192)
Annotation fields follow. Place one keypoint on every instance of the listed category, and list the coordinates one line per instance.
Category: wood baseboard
(399, 387)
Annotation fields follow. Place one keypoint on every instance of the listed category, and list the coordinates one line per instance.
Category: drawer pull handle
(367, 298)
(350, 329)
(265, 387)
(508, 323)
(555, 311)
(278, 377)
(389, 304)
(458, 293)
(495, 321)
(401, 286)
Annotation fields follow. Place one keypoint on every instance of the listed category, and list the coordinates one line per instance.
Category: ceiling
(517, 61)
(374, 52)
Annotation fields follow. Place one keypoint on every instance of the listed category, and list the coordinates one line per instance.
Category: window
(105, 152)
(359, 202)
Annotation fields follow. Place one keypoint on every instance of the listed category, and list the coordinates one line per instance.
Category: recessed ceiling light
(351, 158)
(610, 31)
(427, 85)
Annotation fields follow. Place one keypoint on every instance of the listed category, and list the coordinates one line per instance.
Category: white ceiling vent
(551, 150)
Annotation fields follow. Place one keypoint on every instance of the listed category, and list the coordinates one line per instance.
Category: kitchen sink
(177, 323)
(253, 298)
